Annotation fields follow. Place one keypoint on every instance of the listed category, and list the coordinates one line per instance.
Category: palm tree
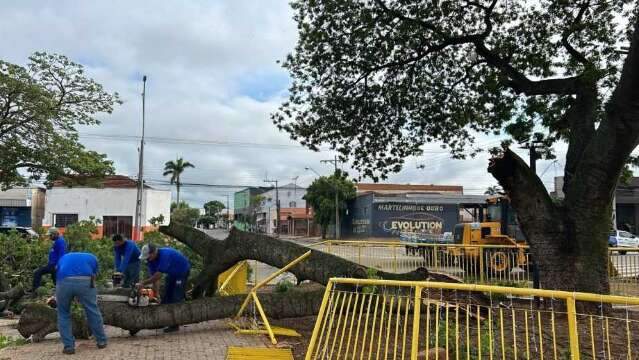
(175, 169)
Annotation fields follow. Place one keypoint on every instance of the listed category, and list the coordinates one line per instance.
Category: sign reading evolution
(391, 219)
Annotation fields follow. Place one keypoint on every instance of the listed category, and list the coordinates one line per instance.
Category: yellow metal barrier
(484, 264)
(624, 271)
(432, 320)
(233, 281)
(494, 264)
(269, 330)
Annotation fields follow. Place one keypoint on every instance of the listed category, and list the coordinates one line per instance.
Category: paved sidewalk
(207, 340)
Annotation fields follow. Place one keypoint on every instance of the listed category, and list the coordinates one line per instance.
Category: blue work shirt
(58, 249)
(169, 261)
(77, 264)
(126, 254)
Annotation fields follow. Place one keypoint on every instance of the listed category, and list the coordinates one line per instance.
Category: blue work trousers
(78, 287)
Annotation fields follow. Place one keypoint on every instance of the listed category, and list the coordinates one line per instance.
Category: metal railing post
(572, 328)
(320, 315)
(395, 259)
(481, 264)
(416, 319)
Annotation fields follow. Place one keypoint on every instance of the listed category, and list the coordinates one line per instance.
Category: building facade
(294, 216)
(243, 212)
(22, 207)
(112, 202)
(387, 215)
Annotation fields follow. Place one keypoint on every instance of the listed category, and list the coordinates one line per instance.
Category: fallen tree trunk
(12, 294)
(220, 255)
(38, 320)
(7, 298)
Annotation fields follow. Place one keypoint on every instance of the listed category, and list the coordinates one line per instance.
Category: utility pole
(277, 205)
(533, 154)
(138, 201)
(335, 161)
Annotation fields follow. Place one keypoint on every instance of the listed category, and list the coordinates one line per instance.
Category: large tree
(41, 105)
(377, 79)
(320, 195)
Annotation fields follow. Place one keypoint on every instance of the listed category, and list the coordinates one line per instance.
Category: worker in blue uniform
(58, 249)
(127, 260)
(176, 267)
(76, 274)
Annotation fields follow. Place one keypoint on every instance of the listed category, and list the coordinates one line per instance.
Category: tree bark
(567, 242)
(38, 320)
(12, 294)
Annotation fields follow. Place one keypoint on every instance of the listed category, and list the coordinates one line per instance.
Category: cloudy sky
(213, 80)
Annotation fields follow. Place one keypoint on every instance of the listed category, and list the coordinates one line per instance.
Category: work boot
(171, 329)
(68, 351)
(102, 346)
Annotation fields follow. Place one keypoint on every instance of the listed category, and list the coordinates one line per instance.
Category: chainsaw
(137, 297)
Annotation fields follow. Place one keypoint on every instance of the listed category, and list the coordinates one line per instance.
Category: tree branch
(573, 28)
(522, 84)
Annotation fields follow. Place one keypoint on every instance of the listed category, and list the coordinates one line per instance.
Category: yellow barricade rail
(508, 265)
(381, 319)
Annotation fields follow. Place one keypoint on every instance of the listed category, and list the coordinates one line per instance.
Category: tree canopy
(377, 79)
(320, 195)
(41, 105)
(213, 208)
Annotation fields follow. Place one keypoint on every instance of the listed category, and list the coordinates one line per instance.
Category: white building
(112, 202)
(290, 196)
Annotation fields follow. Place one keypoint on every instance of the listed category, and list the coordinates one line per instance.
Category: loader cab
(476, 233)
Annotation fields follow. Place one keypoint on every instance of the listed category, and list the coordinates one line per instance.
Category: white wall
(286, 195)
(156, 203)
(88, 202)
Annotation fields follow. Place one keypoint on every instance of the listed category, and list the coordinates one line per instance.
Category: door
(122, 225)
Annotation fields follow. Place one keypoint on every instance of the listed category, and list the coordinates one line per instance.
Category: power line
(192, 141)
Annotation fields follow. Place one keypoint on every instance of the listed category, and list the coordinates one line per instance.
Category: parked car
(26, 232)
(618, 238)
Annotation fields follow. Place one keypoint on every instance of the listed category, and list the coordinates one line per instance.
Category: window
(64, 220)
(288, 194)
(485, 231)
(122, 225)
(292, 204)
(625, 234)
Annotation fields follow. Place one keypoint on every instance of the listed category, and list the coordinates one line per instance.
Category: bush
(284, 286)
(6, 341)
(20, 257)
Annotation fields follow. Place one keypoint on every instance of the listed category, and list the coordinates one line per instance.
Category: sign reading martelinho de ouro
(390, 219)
